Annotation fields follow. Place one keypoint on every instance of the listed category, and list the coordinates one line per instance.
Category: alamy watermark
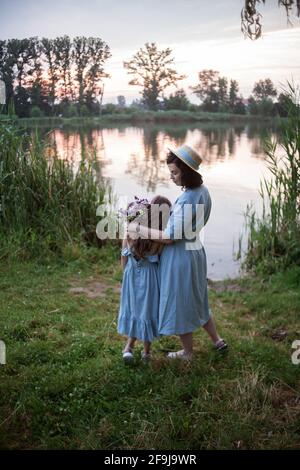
(2, 353)
(183, 222)
(296, 354)
(2, 92)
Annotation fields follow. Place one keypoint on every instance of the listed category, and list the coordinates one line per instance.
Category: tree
(99, 52)
(207, 89)
(177, 101)
(252, 106)
(222, 97)
(251, 18)
(7, 70)
(63, 48)
(233, 94)
(22, 101)
(36, 84)
(152, 70)
(52, 73)
(239, 107)
(264, 89)
(137, 104)
(22, 52)
(121, 101)
(16, 63)
(89, 56)
(283, 105)
(49, 50)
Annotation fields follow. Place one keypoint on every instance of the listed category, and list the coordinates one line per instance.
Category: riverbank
(143, 117)
(65, 386)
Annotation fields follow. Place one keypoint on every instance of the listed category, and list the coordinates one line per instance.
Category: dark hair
(189, 178)
(142, 247)
(163, 215)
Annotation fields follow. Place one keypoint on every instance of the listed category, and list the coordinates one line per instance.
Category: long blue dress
(138, 313)
(183, 303)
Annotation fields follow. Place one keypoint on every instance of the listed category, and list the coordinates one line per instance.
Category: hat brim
(186, 163)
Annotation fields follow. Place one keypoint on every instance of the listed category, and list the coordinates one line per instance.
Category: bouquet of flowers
(136, 209)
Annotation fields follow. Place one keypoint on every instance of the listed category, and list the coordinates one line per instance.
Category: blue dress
(138, 314)
(183, 303)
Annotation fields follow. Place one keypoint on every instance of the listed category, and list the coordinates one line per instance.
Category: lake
(133, 159)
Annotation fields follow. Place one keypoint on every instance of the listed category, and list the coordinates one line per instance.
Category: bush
(70, 111)
(109, 108)
(83, 110)
(36, 112)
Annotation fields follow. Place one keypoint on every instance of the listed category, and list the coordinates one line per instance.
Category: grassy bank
(65, 386)
(143, 117)
(45, 205)
(274, 237)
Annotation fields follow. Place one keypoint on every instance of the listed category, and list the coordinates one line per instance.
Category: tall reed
(44, 203)
(274, 238)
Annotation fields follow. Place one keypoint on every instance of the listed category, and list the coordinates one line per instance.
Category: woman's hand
(133, 230)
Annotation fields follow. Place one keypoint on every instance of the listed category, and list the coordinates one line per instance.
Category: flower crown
(137, 208)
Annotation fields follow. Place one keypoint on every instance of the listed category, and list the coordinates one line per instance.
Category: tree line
(51, 74)
(61, 76)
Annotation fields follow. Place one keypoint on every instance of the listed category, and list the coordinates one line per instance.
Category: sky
(202, 35)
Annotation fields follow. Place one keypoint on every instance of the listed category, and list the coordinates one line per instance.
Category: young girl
(138, 314)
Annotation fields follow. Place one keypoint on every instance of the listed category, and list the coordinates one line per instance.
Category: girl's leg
(146, 354)
(147, 347)
(187, 343)
(129, 345)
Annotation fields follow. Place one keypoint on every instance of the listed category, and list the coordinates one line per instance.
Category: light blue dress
(183, 303)
(138, 314)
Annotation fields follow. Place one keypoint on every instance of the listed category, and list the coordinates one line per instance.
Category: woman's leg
(210, 328)
(219, 343)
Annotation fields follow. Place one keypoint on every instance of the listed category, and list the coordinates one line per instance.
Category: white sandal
(146, 357)
(180, 355)
(128, 356)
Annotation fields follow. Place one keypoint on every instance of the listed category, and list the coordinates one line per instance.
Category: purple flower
(137, 208)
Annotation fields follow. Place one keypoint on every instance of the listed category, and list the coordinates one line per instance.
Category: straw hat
(188, 155)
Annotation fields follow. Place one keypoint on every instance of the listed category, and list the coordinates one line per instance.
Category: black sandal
(221, 345)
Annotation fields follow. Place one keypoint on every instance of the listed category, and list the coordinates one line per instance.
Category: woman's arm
(135, 230)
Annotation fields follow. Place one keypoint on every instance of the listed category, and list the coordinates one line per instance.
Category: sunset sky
(201, 34)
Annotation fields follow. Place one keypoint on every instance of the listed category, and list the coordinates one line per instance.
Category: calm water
(133, 158)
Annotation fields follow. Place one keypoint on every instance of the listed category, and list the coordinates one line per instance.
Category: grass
(45, 204)
(134, 117)
(64, 385)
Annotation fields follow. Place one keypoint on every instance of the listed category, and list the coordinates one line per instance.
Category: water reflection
(133, 158)
(140, 152)
(137, 154)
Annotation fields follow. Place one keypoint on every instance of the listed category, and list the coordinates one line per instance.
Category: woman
(183, 303)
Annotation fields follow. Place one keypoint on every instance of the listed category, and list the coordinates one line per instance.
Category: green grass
(134, 117)
(65, 386)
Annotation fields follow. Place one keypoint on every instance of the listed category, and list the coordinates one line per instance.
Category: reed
(274, 238)
(44, 203)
